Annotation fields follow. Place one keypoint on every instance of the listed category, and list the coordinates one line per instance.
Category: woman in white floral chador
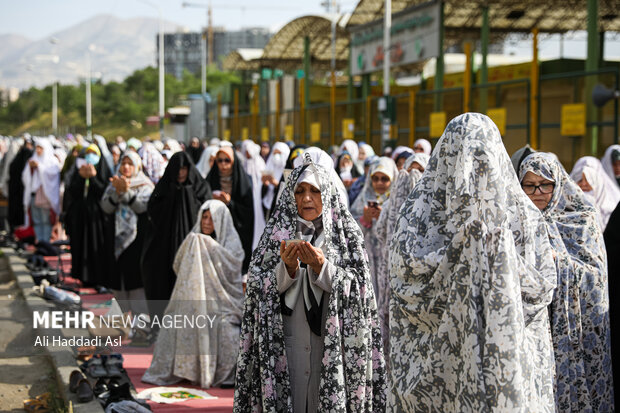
(472, 276)
(580, 308)
(208, 268)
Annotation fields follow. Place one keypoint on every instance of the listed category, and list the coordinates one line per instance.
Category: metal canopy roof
(552, 16)
(285, 50)
(242, 59)
(287, 46)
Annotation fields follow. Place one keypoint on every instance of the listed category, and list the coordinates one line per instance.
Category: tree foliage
(117, 106)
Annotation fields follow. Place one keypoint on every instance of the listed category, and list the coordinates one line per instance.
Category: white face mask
(346, 168)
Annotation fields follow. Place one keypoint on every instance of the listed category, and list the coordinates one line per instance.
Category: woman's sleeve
(323, 280)
(283, 279)
(110, 200)
(138, 199)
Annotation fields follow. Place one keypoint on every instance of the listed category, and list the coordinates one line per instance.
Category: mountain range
(117, 47)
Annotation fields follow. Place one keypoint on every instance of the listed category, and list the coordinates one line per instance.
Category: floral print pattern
(580, 307)
(385, 226)
(472, 274)
(353, 370)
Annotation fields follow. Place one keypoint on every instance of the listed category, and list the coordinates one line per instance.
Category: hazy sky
(37, 19)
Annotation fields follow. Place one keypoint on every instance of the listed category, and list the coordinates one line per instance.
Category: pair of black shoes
(79, 384)
(114, 391)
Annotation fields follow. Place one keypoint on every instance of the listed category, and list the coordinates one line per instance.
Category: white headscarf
(47, 175)
(426, 145)
(320, 157)
(607, 162)
(204, 164)
(275, 164)
(418, 157)
(605, 193)
(399, 150)
(384, 165)
(254, 166)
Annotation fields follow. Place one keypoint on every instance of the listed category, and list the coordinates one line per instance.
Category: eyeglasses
(223, 160)
(544, 188)
(383, 179)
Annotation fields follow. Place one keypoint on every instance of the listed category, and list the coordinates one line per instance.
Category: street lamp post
(89, 113)
(55, 59)
(203, 86)
(160, 59)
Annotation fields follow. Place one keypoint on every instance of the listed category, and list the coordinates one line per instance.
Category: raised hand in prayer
(311, 256)
(269, 180)
(33, 164)
(222, 196)
(289, 255)
(120, 183)
(87, 171)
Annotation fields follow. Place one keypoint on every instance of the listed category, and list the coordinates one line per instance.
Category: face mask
(277, 158)
(346, 168)
(92, 158)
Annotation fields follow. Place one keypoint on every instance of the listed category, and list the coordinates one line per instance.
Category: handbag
(40, 200)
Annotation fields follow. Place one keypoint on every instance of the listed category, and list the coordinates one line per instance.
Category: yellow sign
(244, 133)
(348, 128)
(438, 124)
(573, 119)
(498, 115)
(288, 133)
(264, 135)
(315, 132)
(226, 134)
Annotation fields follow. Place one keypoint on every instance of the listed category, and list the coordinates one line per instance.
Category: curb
(62, 357)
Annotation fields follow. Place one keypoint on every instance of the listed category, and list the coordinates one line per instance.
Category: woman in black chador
(16, 186)
(232, 186)
(172, 210)
(90, 230)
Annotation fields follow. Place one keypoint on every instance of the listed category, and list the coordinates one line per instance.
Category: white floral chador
(472, 276)
(385, 226)
(352, 373)
(208, 273)
(580, 307)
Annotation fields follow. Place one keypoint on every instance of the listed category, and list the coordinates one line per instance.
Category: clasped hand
(304, 252)
(120, 183)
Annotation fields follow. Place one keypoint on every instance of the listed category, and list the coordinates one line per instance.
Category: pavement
(61, 359)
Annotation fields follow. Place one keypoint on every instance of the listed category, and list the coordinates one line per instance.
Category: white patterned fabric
(472, 274)
(208, 271)
(604, 193)
(254, 166)
(580, 307)
(385, 226)
(46, 175)
(275, 163)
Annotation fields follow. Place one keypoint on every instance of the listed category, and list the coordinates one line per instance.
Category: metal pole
(203, 85)
(534, 78)
(467, 80)
(387, 27)
(162, 89)
(592, 64)
(89, 122)
(55, 108)
(484, 49)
